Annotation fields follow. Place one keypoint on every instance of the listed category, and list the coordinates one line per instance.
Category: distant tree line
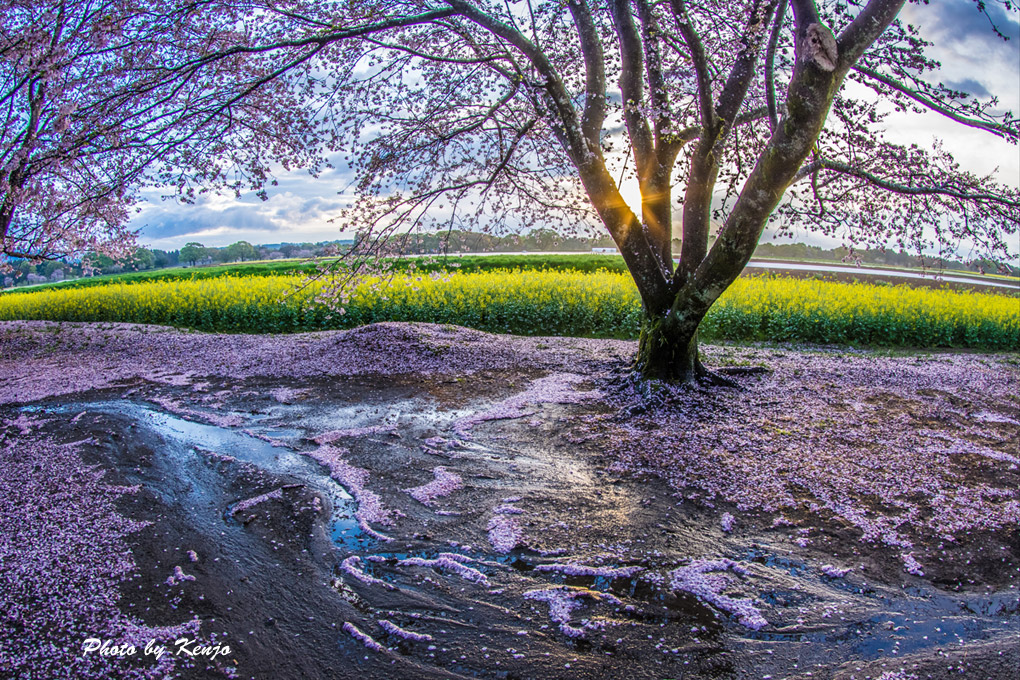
(26, 272)
(547, 240)
(460, 241)
(451, 242)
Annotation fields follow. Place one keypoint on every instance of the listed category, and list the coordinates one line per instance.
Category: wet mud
(270, 577)
(429, 526)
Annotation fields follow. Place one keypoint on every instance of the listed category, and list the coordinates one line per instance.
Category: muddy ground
(521, 508)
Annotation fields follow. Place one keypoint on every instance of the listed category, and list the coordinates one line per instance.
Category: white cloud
(301, 206)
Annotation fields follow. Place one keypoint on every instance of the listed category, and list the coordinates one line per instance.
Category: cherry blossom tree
(40, 207)
(100, 98)
(542, 113)
(534, 114)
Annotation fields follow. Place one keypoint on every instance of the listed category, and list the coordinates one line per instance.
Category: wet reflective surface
(272, 578)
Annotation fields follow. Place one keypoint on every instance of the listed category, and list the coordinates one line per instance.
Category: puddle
(186, 440)
(762, 556)
(400, 415)
(916, 623)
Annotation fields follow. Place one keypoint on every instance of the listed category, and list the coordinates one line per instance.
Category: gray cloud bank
(186, 220)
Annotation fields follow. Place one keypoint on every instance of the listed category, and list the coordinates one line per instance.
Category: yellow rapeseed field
(536, 302)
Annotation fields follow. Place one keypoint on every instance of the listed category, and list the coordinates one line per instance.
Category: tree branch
(865, 29)
(326, 38)
(805, 13)
(770, 64)
(594, 113)
(435, 57)
(742, 73)
(632, 86)
(698, 60)
(997, 129)
(489, 113)
(658, 90)
(821, 163)
(557, 91)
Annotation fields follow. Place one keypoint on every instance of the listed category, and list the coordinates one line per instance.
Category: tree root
(709, 378)
(742, 370)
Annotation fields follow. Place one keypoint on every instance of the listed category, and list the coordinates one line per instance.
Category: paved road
(866, 271)
(955, 277)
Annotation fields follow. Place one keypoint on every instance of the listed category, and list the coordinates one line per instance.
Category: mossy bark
(669, 351)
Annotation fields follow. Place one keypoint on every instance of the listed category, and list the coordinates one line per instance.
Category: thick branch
(632, 86)
(743, 71)
(658, 89)
(770, 64)
(594, 113)
(595, 73)
(698, 60)
(805, 13)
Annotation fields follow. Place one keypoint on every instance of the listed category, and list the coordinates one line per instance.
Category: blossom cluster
(444, 484)
(64, 551)
(701, 578)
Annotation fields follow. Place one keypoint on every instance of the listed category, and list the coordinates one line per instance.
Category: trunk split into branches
(676, 299)
(461, 100)
(668, 347)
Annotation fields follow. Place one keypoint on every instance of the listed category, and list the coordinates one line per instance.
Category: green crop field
(579, 262)
(551, 302)
(583, 262)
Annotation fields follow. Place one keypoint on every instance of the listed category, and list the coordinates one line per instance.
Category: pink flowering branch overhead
(726, 116)
(507, 115)
(98, 100)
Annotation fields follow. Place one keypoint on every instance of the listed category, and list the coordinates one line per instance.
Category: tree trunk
(668, 350)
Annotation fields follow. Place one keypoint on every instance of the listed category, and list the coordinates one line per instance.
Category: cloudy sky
(301, 207)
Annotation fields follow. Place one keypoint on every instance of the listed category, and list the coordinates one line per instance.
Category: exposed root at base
(702, 376)
(713, 379)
